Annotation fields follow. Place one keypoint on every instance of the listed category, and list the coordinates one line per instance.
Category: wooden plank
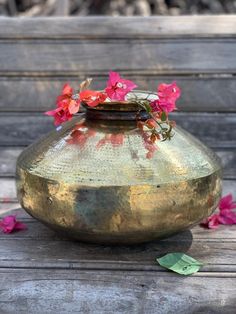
(70, 291)
(120, 27)
(55, 252)
(199, 93)
(155, 56)
(216, 130)
(8, 156)
(62, 8)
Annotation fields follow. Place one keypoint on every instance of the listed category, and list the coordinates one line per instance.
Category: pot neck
(128, 110)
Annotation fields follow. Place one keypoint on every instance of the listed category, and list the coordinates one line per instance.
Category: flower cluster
(9, 224)
(225, 216)
(158, 126)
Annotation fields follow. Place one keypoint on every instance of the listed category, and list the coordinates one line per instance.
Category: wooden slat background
(200, 93)
(37, 56)
(119, 27)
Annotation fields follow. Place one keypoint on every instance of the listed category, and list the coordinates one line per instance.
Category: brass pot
(96, 180)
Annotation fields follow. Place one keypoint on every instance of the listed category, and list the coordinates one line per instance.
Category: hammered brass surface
(113, 193)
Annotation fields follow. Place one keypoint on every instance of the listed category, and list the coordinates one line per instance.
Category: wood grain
(120, 27)
(8, 156)
(214, 129)
(199, 93)
(71, 291)
(148, 56)
(38, 251)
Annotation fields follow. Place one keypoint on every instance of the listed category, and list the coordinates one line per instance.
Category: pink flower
(92, 98)
(211, 222)
(9, 224)
(66, 101)
(225, 216)
(60, 115)
(66, 106)
(227, 202)
(117, 87)
(168, 94)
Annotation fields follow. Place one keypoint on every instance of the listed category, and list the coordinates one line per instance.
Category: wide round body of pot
(99, 181)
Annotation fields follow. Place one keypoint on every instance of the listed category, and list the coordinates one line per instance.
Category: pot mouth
(127, 105)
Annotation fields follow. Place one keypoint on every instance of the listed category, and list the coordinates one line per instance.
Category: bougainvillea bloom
(226, 215)
(170, 92)
(67, 105)
(60, 115)
(117, 87)
(157, 126)
(67, 100)
(92, 98)
(227, 202)
(9, 224)
(211, 222)
(167, 96)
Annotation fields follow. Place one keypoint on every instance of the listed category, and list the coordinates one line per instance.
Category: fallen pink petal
(211, 222)
(225, 216)
(227, 202)
(9, 224)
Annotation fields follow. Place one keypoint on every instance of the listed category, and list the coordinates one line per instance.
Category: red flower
(60, 115)
(168, 94)
(67, 105)
(92, 98)
(9, 224)
(117, 87)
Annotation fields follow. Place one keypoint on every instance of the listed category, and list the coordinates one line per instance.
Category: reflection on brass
(113, 193)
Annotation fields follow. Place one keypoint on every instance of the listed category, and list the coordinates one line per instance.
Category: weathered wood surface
(156, 56)
(215, 129)
(8, 157)
(70, 291)
(40, 247)
(119, 27)
(199, 94)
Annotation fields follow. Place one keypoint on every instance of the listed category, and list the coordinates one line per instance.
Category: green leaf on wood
(180, 263)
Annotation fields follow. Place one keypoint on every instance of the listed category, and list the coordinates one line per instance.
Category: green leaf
(148, 107)
(180, 263)
(163, 116)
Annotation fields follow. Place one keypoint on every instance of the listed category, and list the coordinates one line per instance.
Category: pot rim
(126, 105)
